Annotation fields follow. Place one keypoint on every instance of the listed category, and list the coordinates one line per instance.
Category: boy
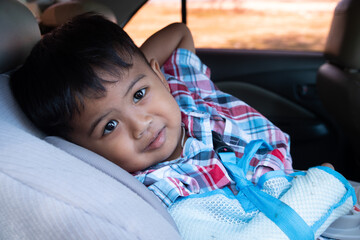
(87, 82)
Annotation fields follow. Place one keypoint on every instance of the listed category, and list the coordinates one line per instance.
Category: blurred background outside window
(300, 25)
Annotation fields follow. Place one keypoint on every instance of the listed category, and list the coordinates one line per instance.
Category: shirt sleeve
(187, 67)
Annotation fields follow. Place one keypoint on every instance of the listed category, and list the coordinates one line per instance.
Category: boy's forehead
(114, 73)
(116, 77)
(111, 74)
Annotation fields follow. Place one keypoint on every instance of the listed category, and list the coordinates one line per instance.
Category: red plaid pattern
(204, 109)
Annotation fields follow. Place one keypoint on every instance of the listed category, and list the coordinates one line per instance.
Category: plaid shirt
(204, 108)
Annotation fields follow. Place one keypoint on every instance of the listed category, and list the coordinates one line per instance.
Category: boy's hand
(328, 165)
(161, 44)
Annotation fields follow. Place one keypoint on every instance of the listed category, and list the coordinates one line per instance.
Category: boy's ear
(156, 68)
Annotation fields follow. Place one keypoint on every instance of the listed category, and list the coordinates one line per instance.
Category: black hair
(61, 70)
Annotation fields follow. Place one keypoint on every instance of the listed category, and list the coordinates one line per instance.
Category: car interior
(53, 189)
(338, 78)
(312, 96)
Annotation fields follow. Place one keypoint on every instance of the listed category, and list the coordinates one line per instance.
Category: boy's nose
(140, 124)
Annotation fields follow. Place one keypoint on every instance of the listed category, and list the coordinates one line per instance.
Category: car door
(281, 86)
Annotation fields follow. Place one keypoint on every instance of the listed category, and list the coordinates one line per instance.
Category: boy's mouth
(157, 141)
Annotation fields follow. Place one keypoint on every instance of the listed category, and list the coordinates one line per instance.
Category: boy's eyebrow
(133, 82)
(96, 122)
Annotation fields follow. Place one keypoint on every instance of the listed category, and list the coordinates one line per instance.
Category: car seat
(62, 191)
(61, 12)
(338, 80)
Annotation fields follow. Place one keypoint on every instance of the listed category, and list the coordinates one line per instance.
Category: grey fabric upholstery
(340, 92)
(47, 193)
(17, 34)
(10, 112)
(111, 170)
(338, 79)
(343, 42)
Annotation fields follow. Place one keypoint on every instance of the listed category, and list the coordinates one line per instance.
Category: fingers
(328, 165)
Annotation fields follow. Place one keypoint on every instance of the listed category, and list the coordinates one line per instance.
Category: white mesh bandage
(318, 197)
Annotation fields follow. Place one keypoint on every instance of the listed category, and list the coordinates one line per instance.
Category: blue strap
(277, 211)
(249, 152)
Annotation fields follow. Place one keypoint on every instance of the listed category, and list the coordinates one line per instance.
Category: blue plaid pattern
(204, 109)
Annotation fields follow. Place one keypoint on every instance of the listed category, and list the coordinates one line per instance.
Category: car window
(154, 15)
(300, 25)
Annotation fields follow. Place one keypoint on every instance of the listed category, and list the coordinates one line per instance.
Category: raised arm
(162, 43)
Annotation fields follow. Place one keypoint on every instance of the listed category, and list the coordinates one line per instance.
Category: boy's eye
(110, 126)
(139, 95)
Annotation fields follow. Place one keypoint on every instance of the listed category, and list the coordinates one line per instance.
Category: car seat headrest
(343, 42)
(60, 13)
(19, 31)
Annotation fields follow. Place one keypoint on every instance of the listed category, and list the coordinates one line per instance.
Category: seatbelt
(277, 211)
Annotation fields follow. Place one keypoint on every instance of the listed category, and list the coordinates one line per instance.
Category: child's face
(136, 125)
